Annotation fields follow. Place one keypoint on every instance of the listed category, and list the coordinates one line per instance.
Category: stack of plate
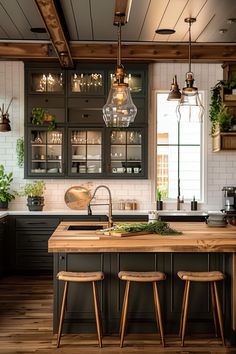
(216, 219)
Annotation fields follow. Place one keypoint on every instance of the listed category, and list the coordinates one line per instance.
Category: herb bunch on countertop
(157, 227)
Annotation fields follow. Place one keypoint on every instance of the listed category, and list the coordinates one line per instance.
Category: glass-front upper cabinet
(86, 82)
(85, 153)
(126, 153)
(46, 81)
(46, 153)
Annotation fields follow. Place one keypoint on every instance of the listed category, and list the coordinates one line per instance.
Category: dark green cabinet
(81, 146)
(141, 314)
(2, 244)
(31, 243)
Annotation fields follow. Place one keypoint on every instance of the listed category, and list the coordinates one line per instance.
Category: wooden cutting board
(126, 234)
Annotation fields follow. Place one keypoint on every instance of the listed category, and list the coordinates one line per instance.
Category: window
(179, 150)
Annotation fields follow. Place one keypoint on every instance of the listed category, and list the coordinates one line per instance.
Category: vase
(35, 203)
(159, 205)
(3, 205)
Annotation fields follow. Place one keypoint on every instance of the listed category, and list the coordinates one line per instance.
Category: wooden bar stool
(92, 277)
(141, 277)
(212, 278)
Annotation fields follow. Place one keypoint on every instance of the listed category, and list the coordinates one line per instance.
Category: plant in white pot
(6, 195)
(34, 192)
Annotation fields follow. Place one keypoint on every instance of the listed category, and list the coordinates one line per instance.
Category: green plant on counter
(157, 227)
(158, 195)
(34, 189)
(20, 151)
(5, 182)
(40, 116)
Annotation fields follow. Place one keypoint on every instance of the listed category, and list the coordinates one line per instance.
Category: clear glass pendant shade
(119, 111)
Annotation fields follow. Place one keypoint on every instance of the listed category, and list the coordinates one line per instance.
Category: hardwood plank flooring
(26, 327)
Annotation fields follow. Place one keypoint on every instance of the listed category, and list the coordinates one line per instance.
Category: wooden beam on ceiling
(214, 53)
(122, 7)
(52, 22)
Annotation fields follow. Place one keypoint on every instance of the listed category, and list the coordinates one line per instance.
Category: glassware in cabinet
(126, 152)
(87, 82)
(46, 81)
(46, 154)
(86, 152)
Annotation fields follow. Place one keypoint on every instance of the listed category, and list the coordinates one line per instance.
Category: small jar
(128, 205)
(121, 204)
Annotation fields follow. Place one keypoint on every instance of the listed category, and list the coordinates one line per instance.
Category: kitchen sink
(84, 227)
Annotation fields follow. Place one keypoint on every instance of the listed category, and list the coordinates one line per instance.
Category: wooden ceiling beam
(122, 7)
(52, 22)
(130, 52)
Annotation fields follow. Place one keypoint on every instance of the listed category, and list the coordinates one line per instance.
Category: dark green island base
(79, 315)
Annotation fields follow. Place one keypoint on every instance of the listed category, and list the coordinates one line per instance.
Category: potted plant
(34, 193)
(224, 119)
(159, 199)
(40, 116)
(5, 194)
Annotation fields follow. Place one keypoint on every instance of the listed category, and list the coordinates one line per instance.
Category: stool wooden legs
(219, 313)
(158, 312)
(62, 313)
(125, 309)
(184, 311)
(124, 313)
(96, 309)
(215, 306)
(97, 314)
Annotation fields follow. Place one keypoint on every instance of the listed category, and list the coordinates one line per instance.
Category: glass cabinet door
(126, 152)
(46, 154)
(46, 82)
(134, 79)
(86, 152)
(90, 83)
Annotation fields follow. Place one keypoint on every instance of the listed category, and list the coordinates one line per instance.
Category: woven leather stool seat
(141, 277)
(201, 276)
(80, 277)
(211, 277)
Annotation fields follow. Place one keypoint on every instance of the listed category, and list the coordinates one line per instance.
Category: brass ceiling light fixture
(190, 95)
(119, 110)
(174, 94)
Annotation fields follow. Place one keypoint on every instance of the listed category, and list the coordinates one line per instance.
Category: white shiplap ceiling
(92, 20)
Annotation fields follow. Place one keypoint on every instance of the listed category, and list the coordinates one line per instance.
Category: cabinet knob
(85, 115)
(61, 258)
(46, 99)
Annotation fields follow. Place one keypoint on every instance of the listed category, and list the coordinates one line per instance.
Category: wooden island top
(195, 237)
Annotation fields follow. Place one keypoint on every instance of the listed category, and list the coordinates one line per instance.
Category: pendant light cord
(119, 45)
(189, 47)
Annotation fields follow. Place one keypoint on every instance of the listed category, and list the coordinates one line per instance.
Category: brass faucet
(110, 222)
(179, 200)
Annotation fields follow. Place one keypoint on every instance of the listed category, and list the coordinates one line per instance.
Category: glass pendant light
(174, 94)
(190, 95)
(119, 110)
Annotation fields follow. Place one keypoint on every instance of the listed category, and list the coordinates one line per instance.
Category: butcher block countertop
(195, 237)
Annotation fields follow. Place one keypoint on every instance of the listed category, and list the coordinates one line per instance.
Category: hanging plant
(20, 151)
(216, 106)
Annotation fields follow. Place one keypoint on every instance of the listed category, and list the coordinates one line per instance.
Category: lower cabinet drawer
(32, 240)
(34, 261)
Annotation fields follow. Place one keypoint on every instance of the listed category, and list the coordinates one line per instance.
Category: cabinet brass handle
(85, 115)
(61, 258)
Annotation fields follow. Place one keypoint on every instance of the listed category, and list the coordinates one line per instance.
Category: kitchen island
(198, 248)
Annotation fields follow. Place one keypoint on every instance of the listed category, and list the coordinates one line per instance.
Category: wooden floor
(26, 327)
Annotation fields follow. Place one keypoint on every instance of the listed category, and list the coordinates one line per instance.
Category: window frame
(203, 148)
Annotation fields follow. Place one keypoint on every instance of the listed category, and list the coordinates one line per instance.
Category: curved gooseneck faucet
(110, 222)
